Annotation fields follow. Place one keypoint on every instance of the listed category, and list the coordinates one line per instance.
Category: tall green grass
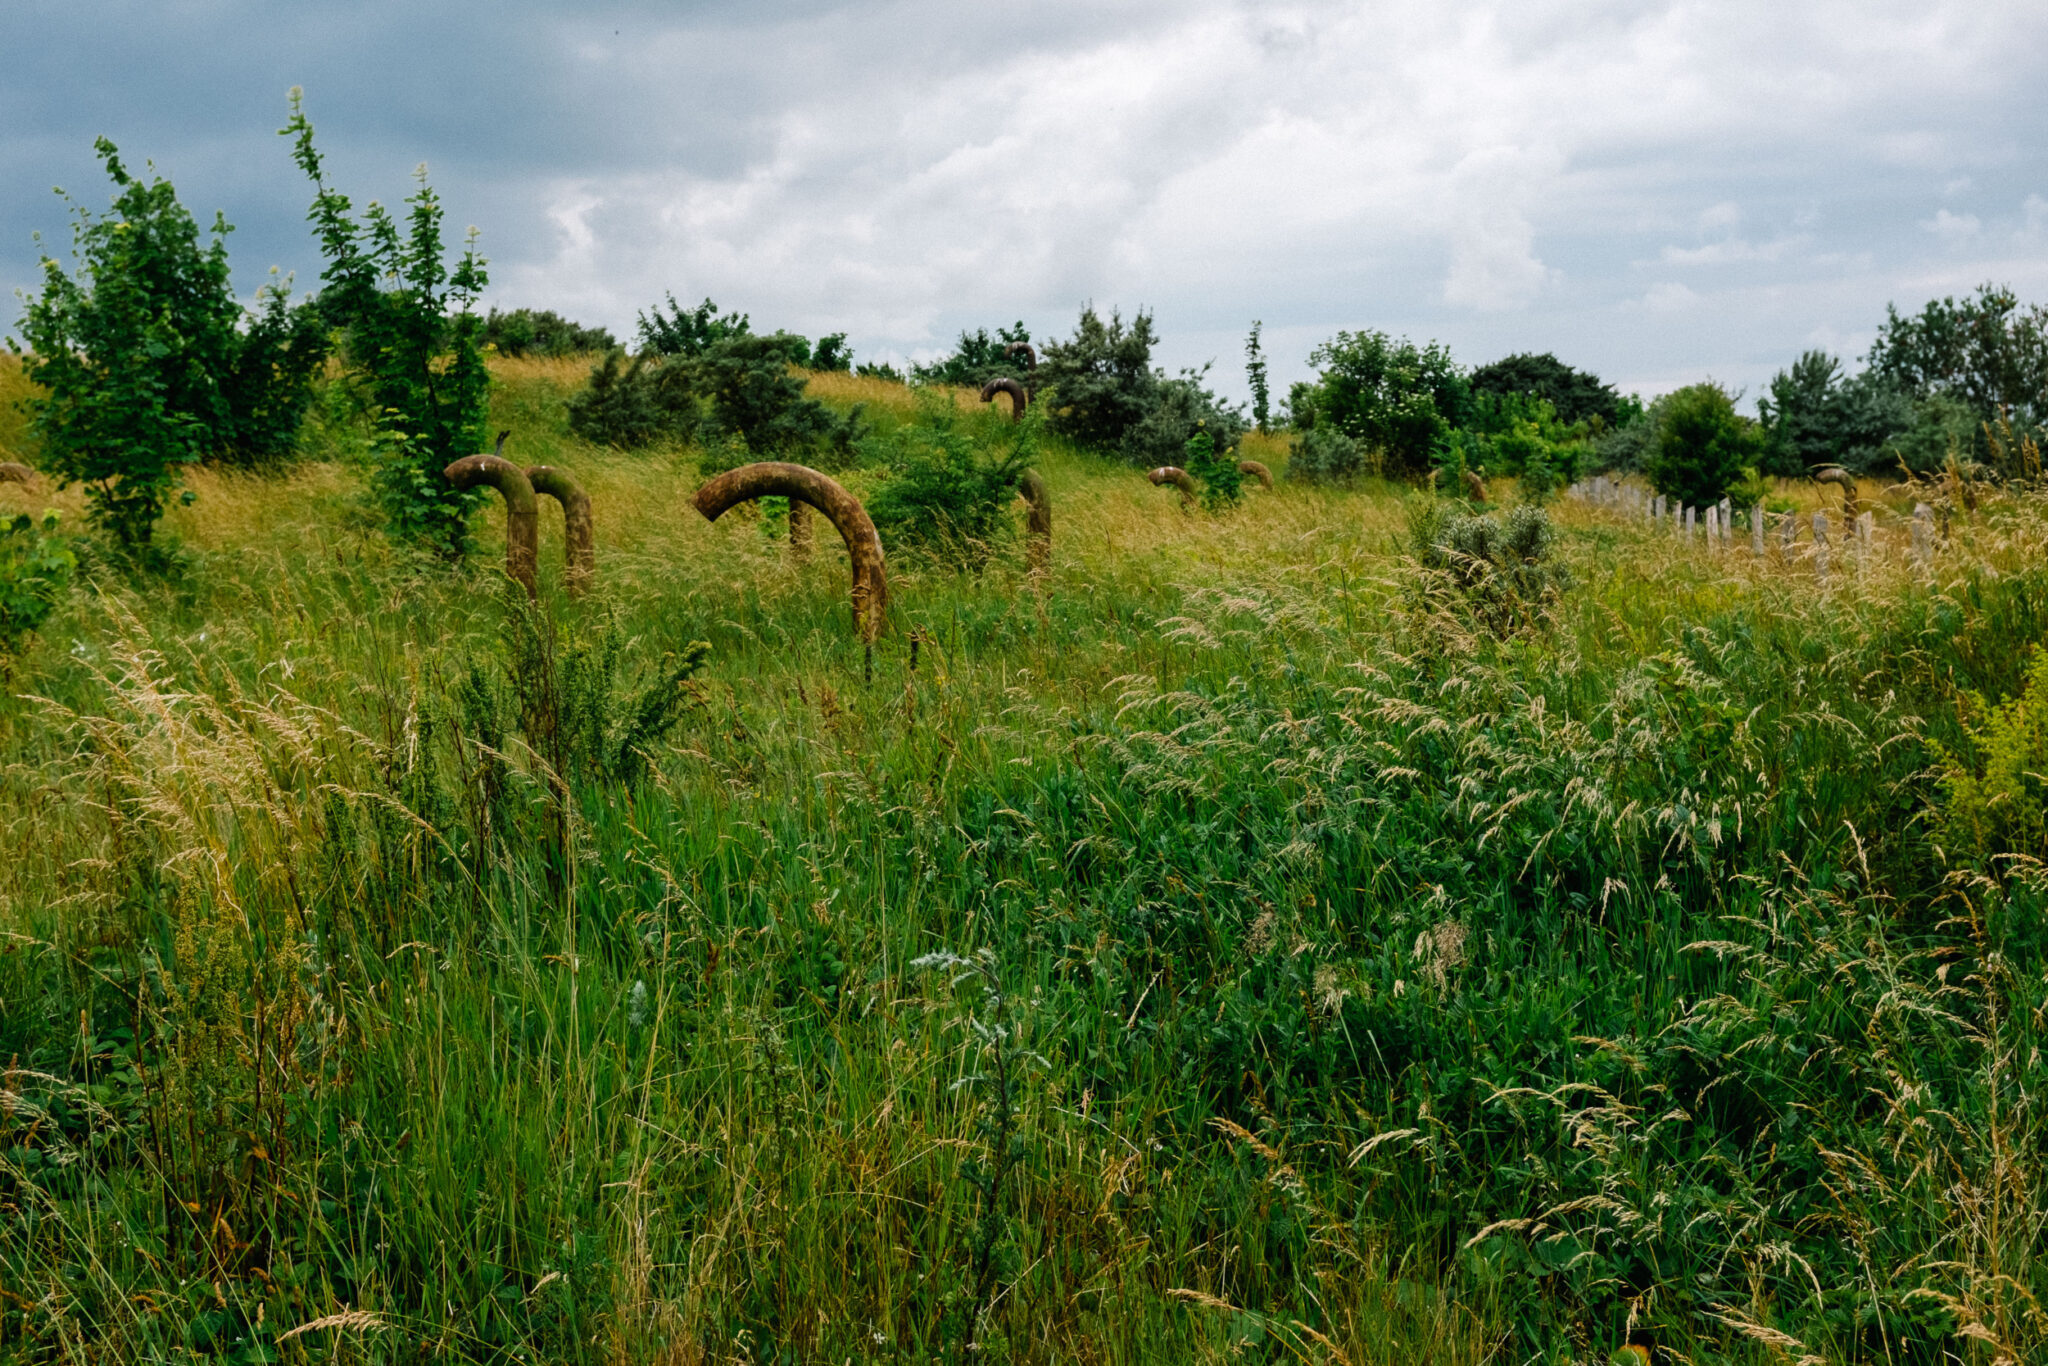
(1235, 952)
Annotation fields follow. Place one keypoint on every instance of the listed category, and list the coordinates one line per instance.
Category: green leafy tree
(1985, 350)
(1391, 395)
(1576, 395)
(1255, 375)
(141, 362)
(1100, 380)
(1813, 416)
(1702, 447)
(412, 344)
(691, 332)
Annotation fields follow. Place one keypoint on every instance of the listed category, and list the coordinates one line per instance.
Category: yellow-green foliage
(1998, 803)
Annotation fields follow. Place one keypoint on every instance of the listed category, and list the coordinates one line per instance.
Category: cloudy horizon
(1658, 193)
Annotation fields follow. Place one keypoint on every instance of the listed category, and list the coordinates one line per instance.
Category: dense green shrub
(411, 345)
(542, 332)
(1702, 446)
(1324, 455)
(978, 359)
(1575, 395)
(1214, 467)
(142, 363)
(1997, 797)
(756, 398)
(1395, 397)
(691, 333)
(948, 494)
(36, 564)
(1501, 567)
(634, 403)
(1179, 408)
(1100, 380)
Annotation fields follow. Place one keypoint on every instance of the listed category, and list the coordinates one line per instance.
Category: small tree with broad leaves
(411, 342)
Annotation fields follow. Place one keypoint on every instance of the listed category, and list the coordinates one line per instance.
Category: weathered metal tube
(580, 528)
(11, 473)
(1038, 523)
(1005, 385)
(522, 511)
(1475, 487)
(1023, 349)
(801, 484)
(1848, 483)
(1256, 471)
(1180, 479)
(799, 532)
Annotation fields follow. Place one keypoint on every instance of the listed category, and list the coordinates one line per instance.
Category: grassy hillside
(1233, 951)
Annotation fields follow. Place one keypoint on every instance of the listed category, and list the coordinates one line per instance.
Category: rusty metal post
(1038, 524)
(799, 532)
(1005, 385)
(1180, 479)
(581, 531)
(522, 511)
(800, 483)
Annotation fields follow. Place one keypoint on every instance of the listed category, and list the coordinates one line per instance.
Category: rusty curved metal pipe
(802, 484)
(1848, 483)
(1180, 479)
(1256, 471)
(1038, 523)
(579, 527)
(1475, 486)
(1005, 385)
(522, 511)
(11, 473)
(1023, 349)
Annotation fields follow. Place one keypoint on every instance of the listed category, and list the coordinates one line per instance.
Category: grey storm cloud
(1658, 192)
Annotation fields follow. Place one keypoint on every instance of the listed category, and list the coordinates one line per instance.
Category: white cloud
(1669, 296)
(1504, 176)
(1953, 227)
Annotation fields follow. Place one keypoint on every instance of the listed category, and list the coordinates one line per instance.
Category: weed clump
(1500, 566)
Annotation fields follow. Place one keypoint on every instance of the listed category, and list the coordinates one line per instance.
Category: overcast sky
(1657, 192)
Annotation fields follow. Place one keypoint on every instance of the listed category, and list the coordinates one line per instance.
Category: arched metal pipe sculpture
(1023, 349)
(1006, 385)
(1848, 483)
(11, 473)
(1180, 479)
(522, 510)
(1038, 524)
(581, 529)
(1256, 471)
(1475, 486)
(801, 484)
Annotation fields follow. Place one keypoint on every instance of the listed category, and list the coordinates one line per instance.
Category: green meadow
(1236, 945)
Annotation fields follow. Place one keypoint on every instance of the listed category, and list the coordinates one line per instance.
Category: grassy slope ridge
(1335, 980)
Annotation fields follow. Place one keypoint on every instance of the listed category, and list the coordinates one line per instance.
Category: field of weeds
(1238, 946)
